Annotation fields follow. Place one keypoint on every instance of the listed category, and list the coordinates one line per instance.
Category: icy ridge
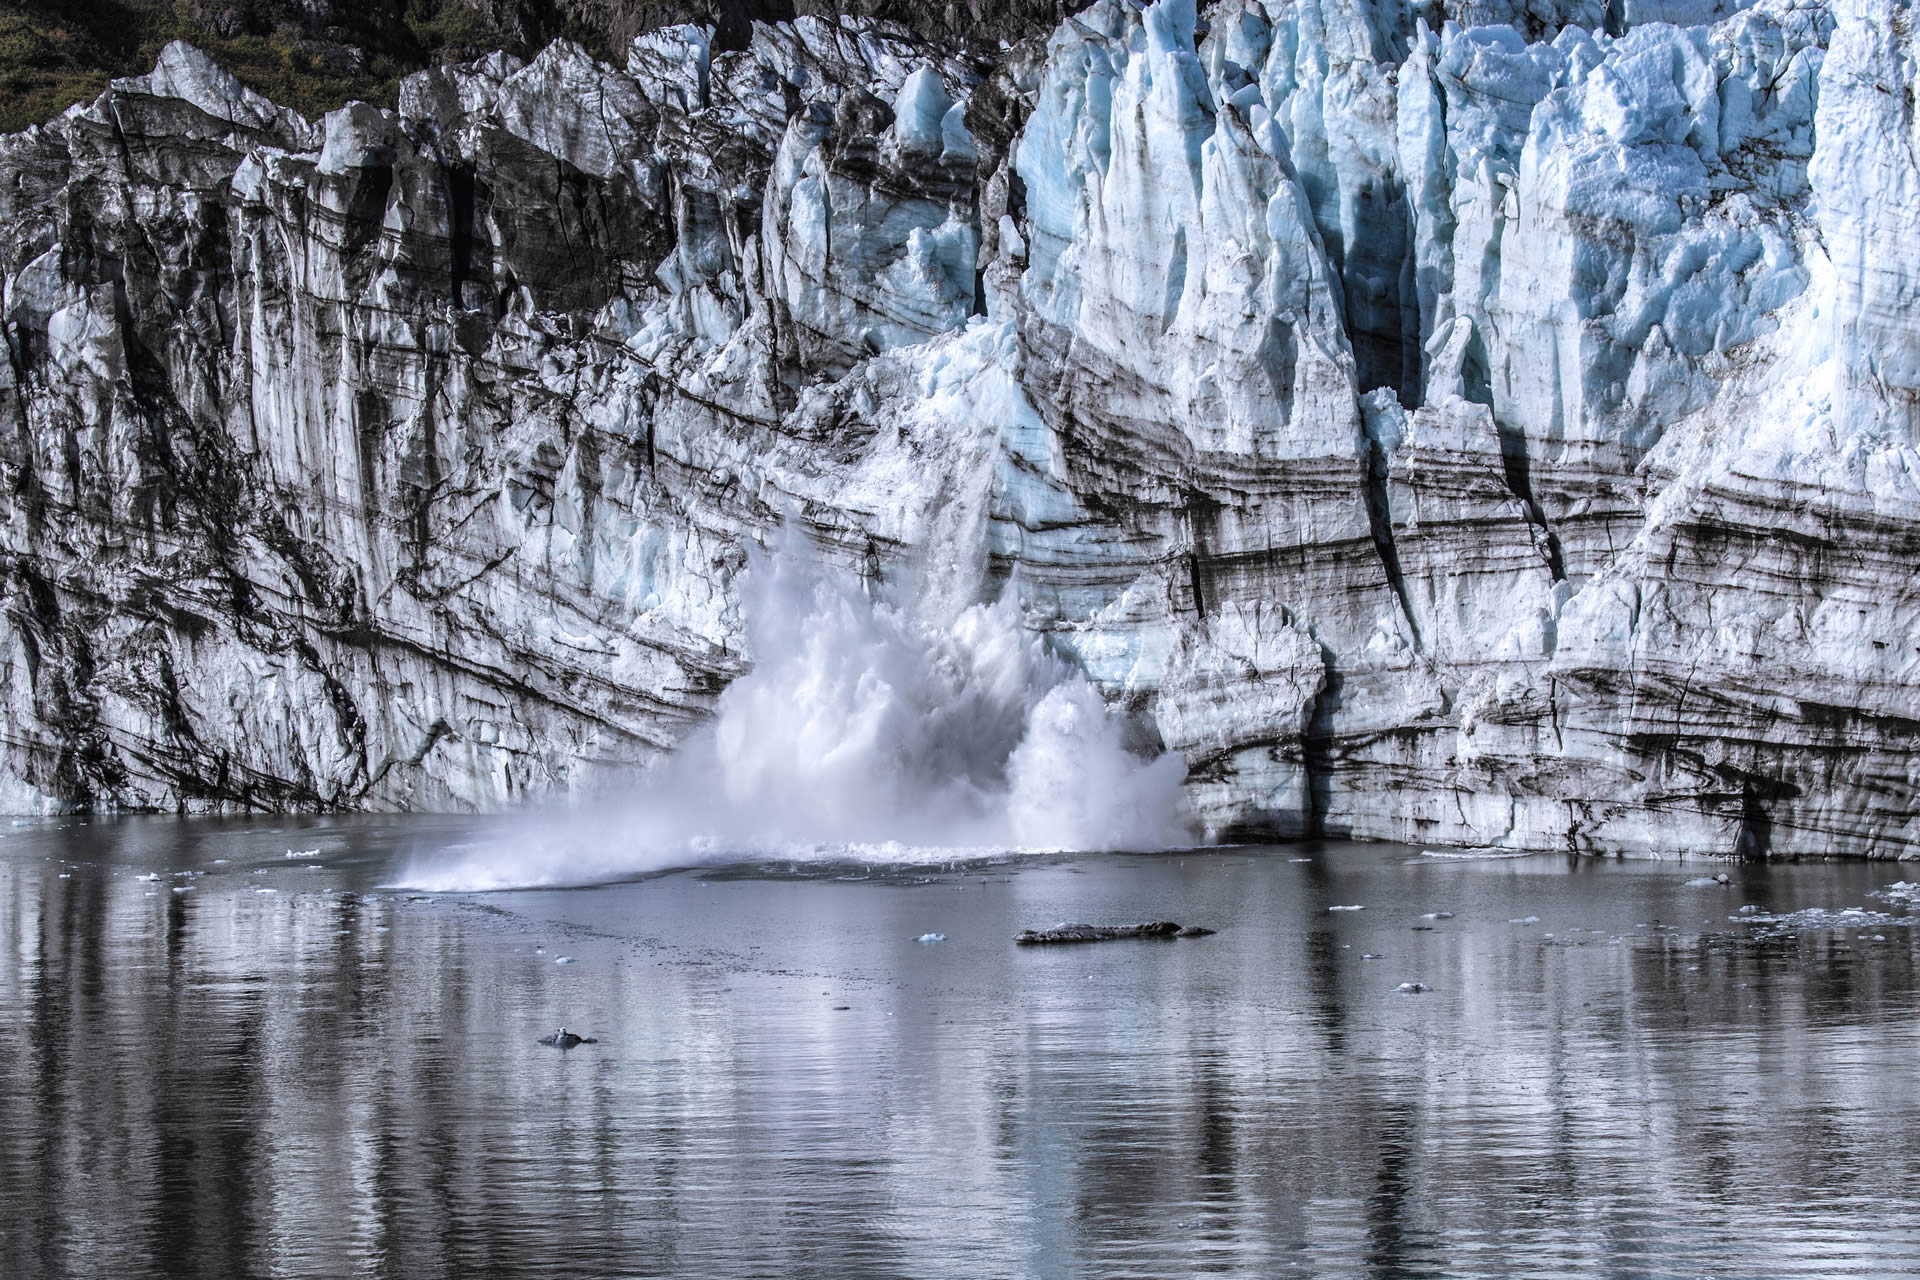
(1496, 433)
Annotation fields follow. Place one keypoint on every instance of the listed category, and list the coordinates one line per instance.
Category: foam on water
(1481, 854)
(864, 732)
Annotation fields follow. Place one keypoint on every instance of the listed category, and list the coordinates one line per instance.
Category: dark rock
(1064, 932)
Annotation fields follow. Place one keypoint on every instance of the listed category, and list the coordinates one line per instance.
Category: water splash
(863, 732)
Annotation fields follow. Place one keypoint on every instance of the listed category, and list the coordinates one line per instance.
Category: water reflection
(266, 1069)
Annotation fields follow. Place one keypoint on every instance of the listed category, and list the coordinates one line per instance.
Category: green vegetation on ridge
(54, 53)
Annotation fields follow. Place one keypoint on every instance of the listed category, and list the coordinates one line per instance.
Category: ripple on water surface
(1652, 1078)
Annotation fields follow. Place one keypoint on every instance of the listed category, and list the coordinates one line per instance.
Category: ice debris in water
(1899, 891)
(1437, 915)
(931, 937)
(303, 853)
(1413, 988)
(1825, 918)
(1524, 920)
(1720, 881)
(563, 959)
(1355, 907)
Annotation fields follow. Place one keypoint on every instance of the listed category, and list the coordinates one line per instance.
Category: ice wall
(1486, 423)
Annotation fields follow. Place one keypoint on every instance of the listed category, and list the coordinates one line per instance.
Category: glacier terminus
(1478, 422)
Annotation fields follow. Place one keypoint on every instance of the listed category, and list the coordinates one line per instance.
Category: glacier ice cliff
(1485, 421)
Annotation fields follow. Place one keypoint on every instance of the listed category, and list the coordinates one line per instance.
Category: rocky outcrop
(1493, 431)
(1062, 934)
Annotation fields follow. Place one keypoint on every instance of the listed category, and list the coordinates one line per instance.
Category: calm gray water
(284, 1071)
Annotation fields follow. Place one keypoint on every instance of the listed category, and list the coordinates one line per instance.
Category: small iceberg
(1355, 907)
(931, 937)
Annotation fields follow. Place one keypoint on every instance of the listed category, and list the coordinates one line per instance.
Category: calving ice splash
(864, 730)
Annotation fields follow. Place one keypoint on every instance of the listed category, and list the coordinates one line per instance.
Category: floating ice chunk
(1413, 988)
(1355, 907)
(931, 937)
(1720, 881)
(1437, 915)
(303, 853)
(563, 959)
(182, 888)
(1524, 920)
(1372, 955)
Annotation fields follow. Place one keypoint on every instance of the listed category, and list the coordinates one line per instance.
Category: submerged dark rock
(1065, 932)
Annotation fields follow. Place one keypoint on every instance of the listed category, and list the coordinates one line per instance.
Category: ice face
(1493, 427)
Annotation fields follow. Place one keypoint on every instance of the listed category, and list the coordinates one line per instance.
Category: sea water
(222, 1060)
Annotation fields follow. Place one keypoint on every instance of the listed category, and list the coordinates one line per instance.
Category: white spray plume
(861, 733)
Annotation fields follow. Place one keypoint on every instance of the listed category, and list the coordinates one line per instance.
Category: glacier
(1479, 423)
